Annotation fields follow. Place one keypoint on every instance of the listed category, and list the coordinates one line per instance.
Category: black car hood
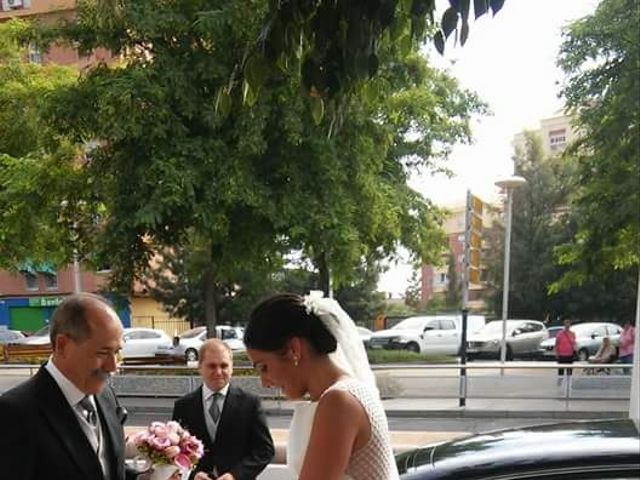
(553, 445)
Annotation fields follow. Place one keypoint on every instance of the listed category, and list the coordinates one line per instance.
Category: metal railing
(448, 381)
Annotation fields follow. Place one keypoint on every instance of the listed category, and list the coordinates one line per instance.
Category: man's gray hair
(70, 317)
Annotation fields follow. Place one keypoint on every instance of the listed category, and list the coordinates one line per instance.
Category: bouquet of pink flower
(169, 444)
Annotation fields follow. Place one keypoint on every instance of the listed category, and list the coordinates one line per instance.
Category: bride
(309, 347)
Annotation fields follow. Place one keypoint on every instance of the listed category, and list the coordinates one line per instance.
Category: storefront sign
(45, 301)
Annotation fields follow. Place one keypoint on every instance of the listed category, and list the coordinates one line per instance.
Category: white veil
(350, 354)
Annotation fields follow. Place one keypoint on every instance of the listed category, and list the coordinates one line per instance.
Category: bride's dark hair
(281, 317)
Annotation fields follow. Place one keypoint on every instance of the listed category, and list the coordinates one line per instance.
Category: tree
(600, 57)
(542, 220)
(37, 167)
(175, 166)
(336, 44)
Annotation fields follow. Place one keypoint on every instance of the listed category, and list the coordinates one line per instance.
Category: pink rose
(182, 461)
(171, 451)
(158, 443)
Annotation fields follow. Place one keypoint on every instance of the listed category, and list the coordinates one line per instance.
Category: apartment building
(435, 279)
(50, 12)
(556, 133)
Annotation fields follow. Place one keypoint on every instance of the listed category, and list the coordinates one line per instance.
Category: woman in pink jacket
(565, 347)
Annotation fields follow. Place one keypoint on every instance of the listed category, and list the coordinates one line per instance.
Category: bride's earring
(295, 361)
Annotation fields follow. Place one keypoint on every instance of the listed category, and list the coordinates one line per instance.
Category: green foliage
(37, 168)
(542, 220)
(377, 357)
(337, 44)
(600, 57)
(186, 166)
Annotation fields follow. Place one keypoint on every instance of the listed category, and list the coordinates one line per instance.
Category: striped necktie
(89, 411)
(214, 409)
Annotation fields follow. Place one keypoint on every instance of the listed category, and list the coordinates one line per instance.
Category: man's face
(567, 324)
(216, 367)
(89, 362)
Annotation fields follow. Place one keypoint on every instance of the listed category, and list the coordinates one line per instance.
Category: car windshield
(496, 326)
(194, 332)
(584, 329)
(43, 332)
(414, 323)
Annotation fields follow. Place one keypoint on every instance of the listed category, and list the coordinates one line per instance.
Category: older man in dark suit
(63, 424)
(229, 421)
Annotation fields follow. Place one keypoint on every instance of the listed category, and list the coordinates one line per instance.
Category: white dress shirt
(73, 395)
(207, 398)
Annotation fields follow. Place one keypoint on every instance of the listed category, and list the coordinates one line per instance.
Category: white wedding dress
(374, 461)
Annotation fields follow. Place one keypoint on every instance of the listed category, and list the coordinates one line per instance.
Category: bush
(404, 356)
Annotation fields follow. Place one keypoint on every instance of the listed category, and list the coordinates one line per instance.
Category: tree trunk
(324, 273)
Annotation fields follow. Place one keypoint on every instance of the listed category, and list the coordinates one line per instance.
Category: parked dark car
(602, 449)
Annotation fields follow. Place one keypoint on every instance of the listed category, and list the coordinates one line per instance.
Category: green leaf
(464, 32)
(223, 102)
(256, 71)
(317, 109)
(496, 5)
(480, 7)
(449, 21)
(438, 41)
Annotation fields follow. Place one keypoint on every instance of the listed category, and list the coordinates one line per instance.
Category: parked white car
(187, 344)
(437, 334)
(143, 342)
(523, 339)
(10, 336)
(40, 337)
(588, 339)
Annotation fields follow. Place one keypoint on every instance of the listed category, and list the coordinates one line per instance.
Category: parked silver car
(589, 337)
(523, 339)
(143, 342)
(187, 344)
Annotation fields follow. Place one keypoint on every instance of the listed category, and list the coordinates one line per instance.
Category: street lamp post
(508, 185)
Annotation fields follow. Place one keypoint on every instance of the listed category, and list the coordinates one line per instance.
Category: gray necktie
(214, 409)
(89, 411)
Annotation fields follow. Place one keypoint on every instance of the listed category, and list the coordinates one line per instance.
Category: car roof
(555, 445)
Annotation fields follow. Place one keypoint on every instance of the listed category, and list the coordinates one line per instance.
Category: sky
(510, 61)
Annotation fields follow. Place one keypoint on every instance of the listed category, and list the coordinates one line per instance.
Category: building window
(8, 5)
(50, 281)
(557, 138)
(35, 55)
(30, 280)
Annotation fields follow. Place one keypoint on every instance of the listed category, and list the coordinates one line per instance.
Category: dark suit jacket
(243, 444)
(41, 438)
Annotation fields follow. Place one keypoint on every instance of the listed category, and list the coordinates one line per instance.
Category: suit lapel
(114, 436)
(64, 424)
(198, 424)
(229, 411)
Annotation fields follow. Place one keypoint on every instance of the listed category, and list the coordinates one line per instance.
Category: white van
(434, 334)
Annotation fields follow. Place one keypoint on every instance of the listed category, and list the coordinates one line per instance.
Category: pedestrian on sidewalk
(229, 421)
(565, 348)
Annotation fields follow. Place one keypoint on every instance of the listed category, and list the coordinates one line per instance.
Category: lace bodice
(374, 461)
